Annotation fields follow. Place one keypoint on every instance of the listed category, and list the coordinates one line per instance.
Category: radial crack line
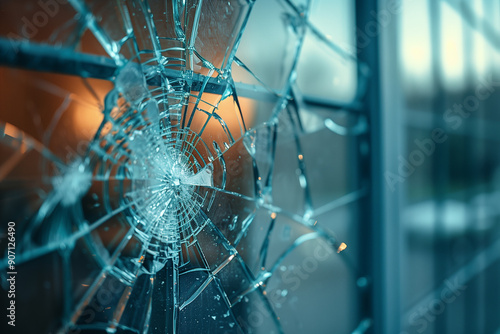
(197, 292)
(107, 269)
(299, 241)
(22, 258)
(341, 201)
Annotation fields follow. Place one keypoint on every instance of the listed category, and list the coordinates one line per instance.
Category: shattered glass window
(182, 166)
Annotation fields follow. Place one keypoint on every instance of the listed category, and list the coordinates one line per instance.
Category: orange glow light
(341, 247)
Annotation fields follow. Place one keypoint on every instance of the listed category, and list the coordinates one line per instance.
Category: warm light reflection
(227, 110)
(86, 120)
(86, 115)
(341, 247)
(11, 161)
(11, 131)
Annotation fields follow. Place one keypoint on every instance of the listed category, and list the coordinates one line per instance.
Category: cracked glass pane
(167, 171)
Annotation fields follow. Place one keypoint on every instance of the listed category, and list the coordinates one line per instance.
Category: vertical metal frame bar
(380, 231)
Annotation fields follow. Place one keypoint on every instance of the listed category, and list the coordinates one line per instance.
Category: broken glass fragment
(166, 173)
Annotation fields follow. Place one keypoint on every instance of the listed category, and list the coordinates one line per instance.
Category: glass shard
(171, 178)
